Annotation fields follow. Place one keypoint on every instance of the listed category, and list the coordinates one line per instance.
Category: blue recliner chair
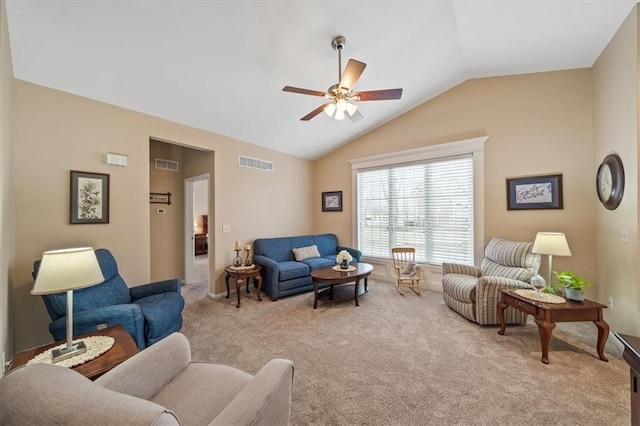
(149, 312)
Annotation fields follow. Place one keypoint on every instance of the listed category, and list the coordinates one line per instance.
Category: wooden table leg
(545, 328)
(603, 333)
(503, 324)
(315, 294)
(356, 292)
(226, 280)
(366, 283)
(238, 286)
(259, 279)
(247, 281)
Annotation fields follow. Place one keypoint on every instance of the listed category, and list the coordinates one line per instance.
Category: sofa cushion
(327, 244)
(460, 287)
(290, 270)
(318, 262)
(278, 249)
(303, 253)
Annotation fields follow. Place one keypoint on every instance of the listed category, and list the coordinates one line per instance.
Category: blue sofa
(148, 312)
(282, 275)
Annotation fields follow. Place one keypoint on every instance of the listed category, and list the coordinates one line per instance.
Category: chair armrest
(145, 373)
(458, 268)
(265, 400)
(488, 295)
(355, 253)
(140, 291)
(129, 315)
(270, 273)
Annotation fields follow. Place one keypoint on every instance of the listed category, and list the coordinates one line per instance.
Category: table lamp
(67, 270)
(551, 244)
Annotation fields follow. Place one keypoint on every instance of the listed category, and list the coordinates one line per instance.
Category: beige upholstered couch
(158, 386)
(474, 292)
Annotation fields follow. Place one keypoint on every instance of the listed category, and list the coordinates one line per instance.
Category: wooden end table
(548, 314)
(244, 274)
(330, 276)
(123, 348)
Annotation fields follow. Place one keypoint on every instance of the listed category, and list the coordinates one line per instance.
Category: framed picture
(89, 198)
(534, 192)
(160, 198)
(332, 201)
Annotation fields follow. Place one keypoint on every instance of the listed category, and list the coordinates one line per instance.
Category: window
(427, 204)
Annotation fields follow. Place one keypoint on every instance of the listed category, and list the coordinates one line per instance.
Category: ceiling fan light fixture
(339, 115)
(341, 105)
(330, 109)
(351, 109)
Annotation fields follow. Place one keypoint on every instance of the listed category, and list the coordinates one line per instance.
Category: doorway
(197, 249)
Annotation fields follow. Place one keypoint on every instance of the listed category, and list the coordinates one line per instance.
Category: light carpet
(410, 360)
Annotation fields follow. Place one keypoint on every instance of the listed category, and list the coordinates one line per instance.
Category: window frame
(473, 147)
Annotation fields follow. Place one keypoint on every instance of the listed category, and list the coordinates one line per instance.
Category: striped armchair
(474, 292)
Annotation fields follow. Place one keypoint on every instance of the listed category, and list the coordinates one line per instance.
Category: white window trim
(474, 146)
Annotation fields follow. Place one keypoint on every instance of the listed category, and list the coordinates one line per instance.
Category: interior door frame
(189, 235)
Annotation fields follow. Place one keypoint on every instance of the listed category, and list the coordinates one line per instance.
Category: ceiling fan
(341, 96)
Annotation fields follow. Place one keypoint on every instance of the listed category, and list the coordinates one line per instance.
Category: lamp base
(58, 355)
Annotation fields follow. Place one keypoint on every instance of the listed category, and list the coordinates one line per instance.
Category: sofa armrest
(270, 273)
(138, 292)
(488, 296)
(265, 400)
(355, 253)
(458, 268)
(145, 373)
(129, 315)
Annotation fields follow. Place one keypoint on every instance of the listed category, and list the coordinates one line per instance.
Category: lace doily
(243, 268)
(540, 297)
(339, 269)
(96, 346)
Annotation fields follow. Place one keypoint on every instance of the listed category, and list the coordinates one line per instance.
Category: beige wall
(55, 132)
(536, 124)
(6, 187)
(615, 124)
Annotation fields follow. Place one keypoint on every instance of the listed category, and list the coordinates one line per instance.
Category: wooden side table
(631, 354)
(123, 348)
(244, 274)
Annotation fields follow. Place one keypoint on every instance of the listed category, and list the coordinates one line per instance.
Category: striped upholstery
(475, 292)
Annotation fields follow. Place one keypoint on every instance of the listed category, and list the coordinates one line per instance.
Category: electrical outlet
(610, 303)
(625, 236)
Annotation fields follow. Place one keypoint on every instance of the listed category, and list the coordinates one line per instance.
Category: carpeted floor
(412, 361)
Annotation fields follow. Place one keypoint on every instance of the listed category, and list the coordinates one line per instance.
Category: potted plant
(573, 285)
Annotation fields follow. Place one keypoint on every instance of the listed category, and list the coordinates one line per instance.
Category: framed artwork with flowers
(89, 198)
(332, 201)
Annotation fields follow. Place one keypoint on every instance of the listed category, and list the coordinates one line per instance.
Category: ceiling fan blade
(302, 91)
(314, 113)
(380, 95)
(352, 74)
(357, 116)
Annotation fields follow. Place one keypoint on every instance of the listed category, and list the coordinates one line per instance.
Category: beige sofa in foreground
(158, 386)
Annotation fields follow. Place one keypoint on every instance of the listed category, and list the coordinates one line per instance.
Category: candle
(247, 247)
(238, 245)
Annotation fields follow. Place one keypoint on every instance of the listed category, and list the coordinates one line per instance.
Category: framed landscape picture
(534, 192)
(89, 198)
(332, 201)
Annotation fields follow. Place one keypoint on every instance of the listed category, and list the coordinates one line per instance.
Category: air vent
(254, 163)
(172, 165)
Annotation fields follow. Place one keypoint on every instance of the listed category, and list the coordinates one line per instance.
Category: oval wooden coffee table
(328, 275)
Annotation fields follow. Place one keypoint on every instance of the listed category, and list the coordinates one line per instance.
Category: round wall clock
(610, 181)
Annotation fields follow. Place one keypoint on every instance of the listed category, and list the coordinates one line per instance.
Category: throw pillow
(410, 269)
(303, 253)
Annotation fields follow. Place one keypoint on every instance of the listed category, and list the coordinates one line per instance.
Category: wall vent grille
(254, 163)
(171, 165)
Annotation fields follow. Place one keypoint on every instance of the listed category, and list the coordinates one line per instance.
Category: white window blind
(426, 205)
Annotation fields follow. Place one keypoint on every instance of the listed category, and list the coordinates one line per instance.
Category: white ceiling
(221, 65)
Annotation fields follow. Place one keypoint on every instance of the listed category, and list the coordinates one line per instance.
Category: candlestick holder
(237, 261)
(247, 260)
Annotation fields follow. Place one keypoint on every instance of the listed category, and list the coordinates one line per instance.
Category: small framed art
(332, 201)
(89, 198)
(534, 192)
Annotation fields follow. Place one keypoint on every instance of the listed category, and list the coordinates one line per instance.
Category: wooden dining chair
(408, 272)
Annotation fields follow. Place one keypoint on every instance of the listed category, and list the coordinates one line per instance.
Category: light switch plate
(625, 236)
(226, 228)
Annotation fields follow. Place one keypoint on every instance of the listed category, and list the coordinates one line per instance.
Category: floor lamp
(67, 270)
(551, 244)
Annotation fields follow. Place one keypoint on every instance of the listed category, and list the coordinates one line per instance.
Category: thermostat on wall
(160, 211)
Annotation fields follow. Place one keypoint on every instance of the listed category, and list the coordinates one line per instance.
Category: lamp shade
(67, 269)
(553, 243)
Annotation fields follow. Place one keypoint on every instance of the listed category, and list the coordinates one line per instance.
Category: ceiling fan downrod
(337, 44)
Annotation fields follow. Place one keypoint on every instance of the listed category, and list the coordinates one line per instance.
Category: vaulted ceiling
(221, 65)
